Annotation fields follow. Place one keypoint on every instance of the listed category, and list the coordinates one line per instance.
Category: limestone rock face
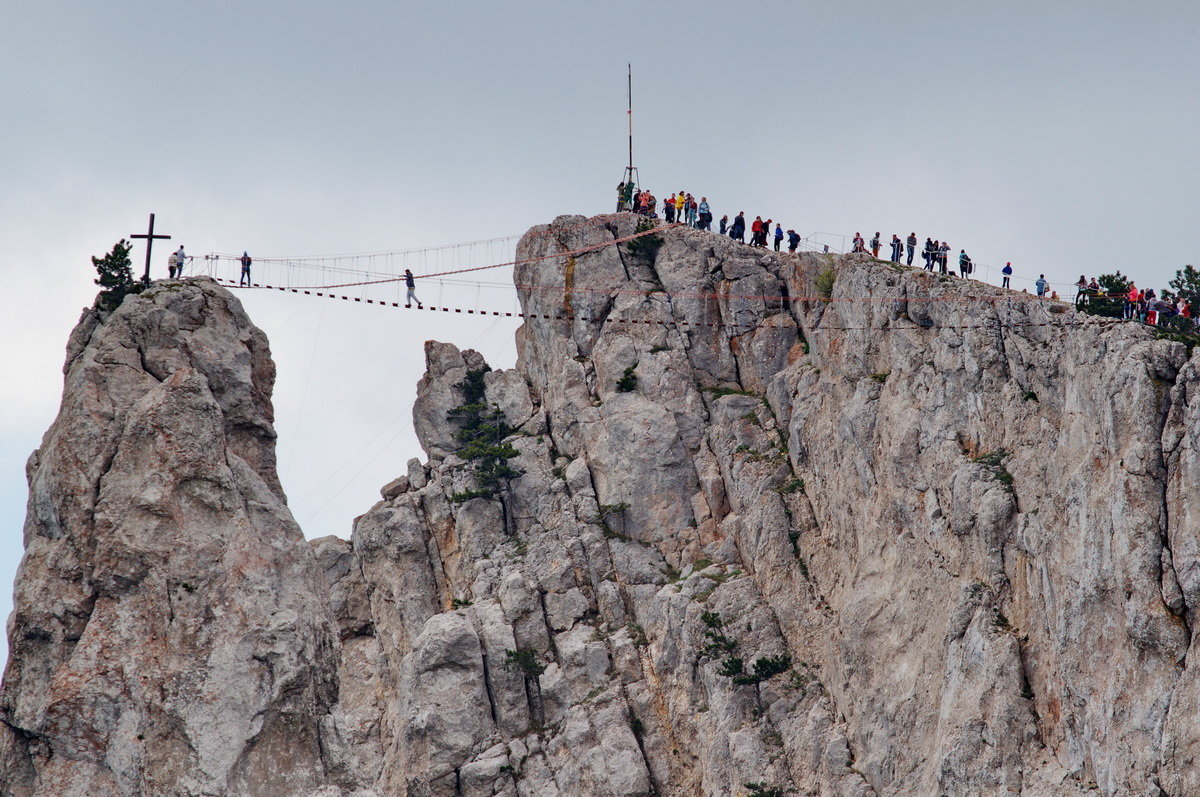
(171, 633)
(900, 537)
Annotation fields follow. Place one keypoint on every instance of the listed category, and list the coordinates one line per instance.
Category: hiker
(1081, 291)
(705, 215)
(964, 264)
(875, 246)
(738, 231)
(724, 223)
(1007, 272)
(755, 230)
(176, 269)
(621, 196)
(412, 290)
(680, 203)
(944, 256)
(912, 246)
(669, 209)
(778, 236)
(793, 240)
(859, 244)
(927, 254)
(690, 209)
(897, 246)
(1041, 286)
(245, 261)
(1131, 301)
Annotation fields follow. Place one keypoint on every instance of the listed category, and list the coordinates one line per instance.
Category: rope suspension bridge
(374, 278)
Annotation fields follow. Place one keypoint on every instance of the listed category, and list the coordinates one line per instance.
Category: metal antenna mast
(629, 113)
(630, 180)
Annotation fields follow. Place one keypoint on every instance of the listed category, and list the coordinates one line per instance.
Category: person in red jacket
(1131, 301)
(756, 230)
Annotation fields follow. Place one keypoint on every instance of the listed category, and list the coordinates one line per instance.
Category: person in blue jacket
(1007, 272)
(705, 214)
(778, 236)
(793, 240)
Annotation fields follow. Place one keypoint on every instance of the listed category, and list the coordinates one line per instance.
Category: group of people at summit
(681, 207)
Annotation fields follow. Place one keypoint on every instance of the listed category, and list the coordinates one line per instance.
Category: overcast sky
(1059, 135)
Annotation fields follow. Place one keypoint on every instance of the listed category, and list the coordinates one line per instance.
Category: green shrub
(525, 661)
(762, 790)
(824, 281)
(629, 381)
(764, 668)
(994, 462)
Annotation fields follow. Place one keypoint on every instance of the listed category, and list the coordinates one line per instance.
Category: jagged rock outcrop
(889, 537)
(171, 633)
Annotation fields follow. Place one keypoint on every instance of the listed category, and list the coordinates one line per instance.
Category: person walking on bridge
(411, 284)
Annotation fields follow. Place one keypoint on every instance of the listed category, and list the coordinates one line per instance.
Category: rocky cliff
(703, 539)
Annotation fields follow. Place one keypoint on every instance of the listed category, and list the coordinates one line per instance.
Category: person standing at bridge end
(411, 284)
(245, 261)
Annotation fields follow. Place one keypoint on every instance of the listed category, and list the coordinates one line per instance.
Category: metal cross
(150, 237)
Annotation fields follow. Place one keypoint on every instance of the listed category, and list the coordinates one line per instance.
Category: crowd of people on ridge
(681, 207)
(1145, 305)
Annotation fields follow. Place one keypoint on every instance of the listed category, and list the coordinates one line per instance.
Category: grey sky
(1059, 136)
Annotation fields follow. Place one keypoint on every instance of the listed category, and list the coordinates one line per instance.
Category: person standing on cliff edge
(411, 284)
(912, 246)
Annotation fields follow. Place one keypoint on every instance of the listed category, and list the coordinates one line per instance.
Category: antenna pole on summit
(629, 113)
(629, 183)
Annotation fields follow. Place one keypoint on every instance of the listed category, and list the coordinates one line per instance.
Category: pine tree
(1187, 284)
(116, 276)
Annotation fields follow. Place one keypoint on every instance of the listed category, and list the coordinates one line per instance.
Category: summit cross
(150, 238)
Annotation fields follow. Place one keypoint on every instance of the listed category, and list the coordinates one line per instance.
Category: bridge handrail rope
(988, 324)
(384, 277)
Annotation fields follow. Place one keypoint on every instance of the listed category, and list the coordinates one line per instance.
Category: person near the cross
(176, 262)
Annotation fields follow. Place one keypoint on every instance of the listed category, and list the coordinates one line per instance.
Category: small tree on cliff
(1187, 285)
(1111, 301)
(116, 276)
